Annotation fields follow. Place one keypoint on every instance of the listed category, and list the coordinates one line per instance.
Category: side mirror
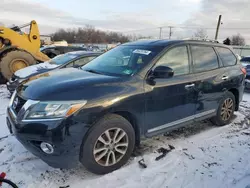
(163, 72)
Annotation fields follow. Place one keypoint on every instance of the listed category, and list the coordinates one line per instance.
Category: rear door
(233, 77)
(209, 74)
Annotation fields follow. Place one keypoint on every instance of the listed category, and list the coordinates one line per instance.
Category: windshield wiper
(93, 71)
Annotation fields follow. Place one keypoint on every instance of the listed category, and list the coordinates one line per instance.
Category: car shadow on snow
(152, 144)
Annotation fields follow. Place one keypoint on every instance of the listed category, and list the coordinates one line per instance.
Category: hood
(34, 70)
(66, 84)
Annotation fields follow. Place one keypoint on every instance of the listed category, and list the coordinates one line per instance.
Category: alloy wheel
(227, 109)
(111, 146)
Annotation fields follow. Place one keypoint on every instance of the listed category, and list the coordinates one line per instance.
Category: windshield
(123, 60)
(62, 59)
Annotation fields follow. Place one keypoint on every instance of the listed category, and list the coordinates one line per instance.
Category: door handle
(225, 78)
(189, 86)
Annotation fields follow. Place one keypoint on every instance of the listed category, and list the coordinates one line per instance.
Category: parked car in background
(245, 61)
(52, 51)
(97, 114)
(71, 59)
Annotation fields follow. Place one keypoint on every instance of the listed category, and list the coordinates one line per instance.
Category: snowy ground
(204, 156)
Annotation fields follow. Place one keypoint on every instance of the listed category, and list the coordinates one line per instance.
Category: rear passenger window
(227, 57)
(176, 59)
(204, 58)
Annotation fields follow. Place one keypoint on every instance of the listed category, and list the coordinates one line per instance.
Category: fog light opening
(47, 148)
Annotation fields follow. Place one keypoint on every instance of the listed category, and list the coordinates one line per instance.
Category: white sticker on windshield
(144, 52)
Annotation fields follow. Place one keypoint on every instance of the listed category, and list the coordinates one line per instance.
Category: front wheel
(109, 145)
(226, 110)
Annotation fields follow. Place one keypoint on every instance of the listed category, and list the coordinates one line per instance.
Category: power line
(189, 27)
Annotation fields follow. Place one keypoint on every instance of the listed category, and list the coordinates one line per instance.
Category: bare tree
(201, 33)
(89, 34)
(238, 40)
(227, 41)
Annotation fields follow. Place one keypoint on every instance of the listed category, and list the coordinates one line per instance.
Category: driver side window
(177, 59)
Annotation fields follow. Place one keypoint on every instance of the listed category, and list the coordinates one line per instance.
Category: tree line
(236, 40)
(88, 34)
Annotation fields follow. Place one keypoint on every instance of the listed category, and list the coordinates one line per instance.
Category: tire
(218, 119)
(6, 61)
(110, 123)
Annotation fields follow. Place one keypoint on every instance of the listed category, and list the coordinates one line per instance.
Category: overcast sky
(133, 16)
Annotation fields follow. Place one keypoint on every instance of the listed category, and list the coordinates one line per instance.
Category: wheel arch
(133, 121)
(236, 95)
(130, 117)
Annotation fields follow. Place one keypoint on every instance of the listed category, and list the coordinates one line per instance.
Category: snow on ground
(4, 101)
(204, 156)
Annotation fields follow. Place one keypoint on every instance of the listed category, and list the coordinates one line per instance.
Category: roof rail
(201, 39)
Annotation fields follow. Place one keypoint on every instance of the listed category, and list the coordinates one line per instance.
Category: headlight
(49, 110)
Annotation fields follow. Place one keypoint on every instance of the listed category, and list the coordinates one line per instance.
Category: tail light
(243, 70)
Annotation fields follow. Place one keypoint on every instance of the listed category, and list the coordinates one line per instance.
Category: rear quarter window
(226, 56)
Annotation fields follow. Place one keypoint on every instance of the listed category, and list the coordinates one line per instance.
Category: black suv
(98, 113)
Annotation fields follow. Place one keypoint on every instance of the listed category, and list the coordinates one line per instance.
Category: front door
(171, 101)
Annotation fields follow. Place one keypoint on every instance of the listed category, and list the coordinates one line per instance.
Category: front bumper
(65, 135)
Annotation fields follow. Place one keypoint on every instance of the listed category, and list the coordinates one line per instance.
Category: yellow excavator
(18, 49)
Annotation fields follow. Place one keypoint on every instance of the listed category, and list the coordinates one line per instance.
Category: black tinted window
(204, 58)
(177, 59)
(227, 57)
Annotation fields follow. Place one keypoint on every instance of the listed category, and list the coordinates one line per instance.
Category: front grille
(18, 104)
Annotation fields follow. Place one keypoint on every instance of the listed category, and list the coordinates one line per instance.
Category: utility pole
(160, 32)
(170, 32)
(218, 27)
